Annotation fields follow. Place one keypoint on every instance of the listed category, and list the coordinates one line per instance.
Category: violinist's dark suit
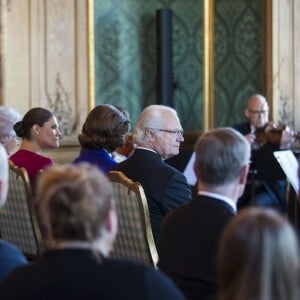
(266, 183)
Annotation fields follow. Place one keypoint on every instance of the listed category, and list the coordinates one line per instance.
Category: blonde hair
(258, 257)
(74, 201)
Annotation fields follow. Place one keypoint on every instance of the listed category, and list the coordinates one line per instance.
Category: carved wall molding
(286, 61)
(45, 59)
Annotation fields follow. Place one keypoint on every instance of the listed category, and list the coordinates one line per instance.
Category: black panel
(164, 57)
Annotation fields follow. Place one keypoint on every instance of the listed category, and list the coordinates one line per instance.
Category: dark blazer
(243, 128)
(77, 274)
(165, 187)
(266, 174)
(188, 244)
(10, 258)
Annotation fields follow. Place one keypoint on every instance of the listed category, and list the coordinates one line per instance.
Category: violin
(127, 147)
(273, 134)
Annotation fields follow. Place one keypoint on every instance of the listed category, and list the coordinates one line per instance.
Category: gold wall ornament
(208, 64)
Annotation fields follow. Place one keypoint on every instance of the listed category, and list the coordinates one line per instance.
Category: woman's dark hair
(104, 128)
(37, 115)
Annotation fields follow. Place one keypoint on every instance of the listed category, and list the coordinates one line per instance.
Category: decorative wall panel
(286, 62)
(238, 57)
(44, 59)
(125, 55)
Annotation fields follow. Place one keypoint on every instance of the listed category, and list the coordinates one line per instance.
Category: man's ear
(244, 174)
(150, 134)
(111, 222)
(246, 111)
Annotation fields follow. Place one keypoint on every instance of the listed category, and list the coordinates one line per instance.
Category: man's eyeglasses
(177, 132)
(258, 112)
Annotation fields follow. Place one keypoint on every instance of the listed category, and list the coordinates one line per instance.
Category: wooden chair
(18, 220)
(134, 239)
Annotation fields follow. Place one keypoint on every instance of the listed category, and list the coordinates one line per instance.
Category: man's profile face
(168, 140)
(257, 111)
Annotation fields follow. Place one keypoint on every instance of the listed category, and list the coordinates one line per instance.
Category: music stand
(289, 165)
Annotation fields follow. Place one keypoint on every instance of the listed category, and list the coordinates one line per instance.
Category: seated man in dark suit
(10, 256)
(267, 187)
(157, 135)
(189, 235)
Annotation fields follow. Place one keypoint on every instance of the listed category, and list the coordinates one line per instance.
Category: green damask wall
(125, 58)
(238, 57)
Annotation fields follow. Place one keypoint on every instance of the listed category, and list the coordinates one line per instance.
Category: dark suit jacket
(77, 274)
(268, 176)
(243, 128)
(165, 187)
(10, 258)
(188, 244)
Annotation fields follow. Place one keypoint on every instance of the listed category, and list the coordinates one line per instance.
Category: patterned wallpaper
(125, 56)
(238, 57)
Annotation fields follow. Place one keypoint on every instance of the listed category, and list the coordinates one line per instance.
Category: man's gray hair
(220, 155)
(8, 118)
(153, 116)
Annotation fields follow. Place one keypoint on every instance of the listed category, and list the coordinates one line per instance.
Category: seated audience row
(83, 228)
(77, 203)
(102, 133)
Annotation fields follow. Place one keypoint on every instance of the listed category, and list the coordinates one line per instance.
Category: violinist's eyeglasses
(258, 112)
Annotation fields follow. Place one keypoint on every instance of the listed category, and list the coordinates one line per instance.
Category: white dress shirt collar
(219, 197)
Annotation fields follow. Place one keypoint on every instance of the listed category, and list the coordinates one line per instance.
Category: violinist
(257, 113)
(267, 185)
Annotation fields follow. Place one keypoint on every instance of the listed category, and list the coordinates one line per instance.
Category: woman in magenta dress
(38, 130)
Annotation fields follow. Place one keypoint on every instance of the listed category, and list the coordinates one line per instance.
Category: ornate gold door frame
(208, 64)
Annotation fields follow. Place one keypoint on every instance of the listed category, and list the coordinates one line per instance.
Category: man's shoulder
(243, 128)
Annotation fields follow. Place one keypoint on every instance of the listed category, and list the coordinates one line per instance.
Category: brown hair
(104, 128)
(37, 115)
(75, 201)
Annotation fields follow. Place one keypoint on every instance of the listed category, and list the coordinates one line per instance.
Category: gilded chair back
(134, 239)
(18, 220)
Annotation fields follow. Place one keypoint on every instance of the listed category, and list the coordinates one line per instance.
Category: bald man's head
(257, 111)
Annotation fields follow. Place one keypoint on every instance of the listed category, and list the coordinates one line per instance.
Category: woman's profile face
(48, 135)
